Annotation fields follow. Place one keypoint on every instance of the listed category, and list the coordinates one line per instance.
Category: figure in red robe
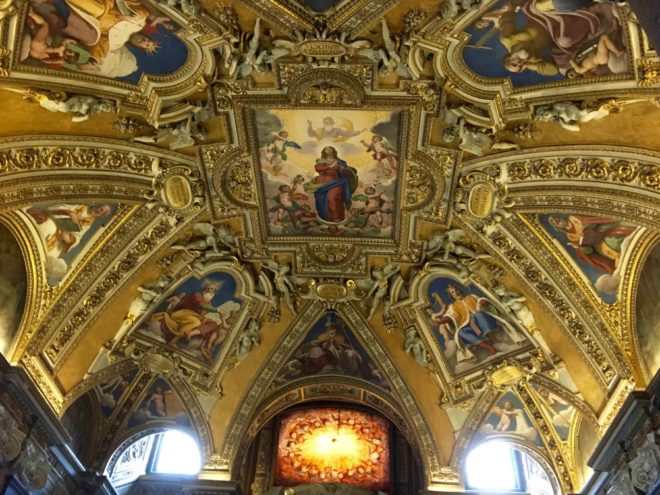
(334, 185)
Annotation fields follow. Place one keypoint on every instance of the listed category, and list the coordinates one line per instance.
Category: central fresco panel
(330, 172)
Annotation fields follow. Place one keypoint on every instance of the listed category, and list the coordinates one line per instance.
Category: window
(177, 453)
(497, 465)
(168, 452)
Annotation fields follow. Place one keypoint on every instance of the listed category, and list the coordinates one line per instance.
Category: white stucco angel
(181, 135)
(472, 139)
(378, 287)
(569, 115)
(392, 57)
(218, 241)
(283, 282)
(147, 294)
(451, 244)
(516, 304)
(81, 106)
(253, 56)
(248, 339)
(415, 346)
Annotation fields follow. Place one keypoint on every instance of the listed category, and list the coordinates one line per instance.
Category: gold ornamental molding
(350, 17)
(623, 181)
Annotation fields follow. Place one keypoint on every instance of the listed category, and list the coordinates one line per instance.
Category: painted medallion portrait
(541, 41)
(331, 172)
(66, 230)
(331, 348)
(197, 317)
(333, 445)
(596, 244)
(118, 39)
(468, 327)
(13, 288)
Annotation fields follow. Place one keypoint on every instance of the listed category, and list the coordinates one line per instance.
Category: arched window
(167, 452)
(498, 465)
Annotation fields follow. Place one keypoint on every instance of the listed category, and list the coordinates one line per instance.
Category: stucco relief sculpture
(248, 339)
(283, 284)
(147, 294)
(415, 346)
(215, 242)
(188, 132)
(378, 287)
(449, 248)
(81, 106)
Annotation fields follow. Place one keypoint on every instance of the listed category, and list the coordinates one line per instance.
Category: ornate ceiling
(433, 209)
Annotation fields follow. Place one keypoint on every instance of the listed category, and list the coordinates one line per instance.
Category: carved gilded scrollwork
(326, 86)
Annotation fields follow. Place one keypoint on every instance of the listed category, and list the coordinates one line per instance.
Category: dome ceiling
(444, 211)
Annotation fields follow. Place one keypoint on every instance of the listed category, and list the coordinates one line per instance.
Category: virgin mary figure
(333, 187)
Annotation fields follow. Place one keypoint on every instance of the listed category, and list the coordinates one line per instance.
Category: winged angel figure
(283, 282)
(392, 57)
(448, 248)
(378, 286)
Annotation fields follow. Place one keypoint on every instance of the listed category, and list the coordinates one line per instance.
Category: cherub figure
(182, 135)
(374, 203)
(218, 241)
(382, 151)
(600, 56)
(248, 339)
(516, 304)
(569, 115)
(283, 282)
(392, 57)
(276, 151)
(414, 345)
(81, 106)
(254, 59)
(286, 201)
(379, 287)
(307, 219)
(40, 47)
(450, 243)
